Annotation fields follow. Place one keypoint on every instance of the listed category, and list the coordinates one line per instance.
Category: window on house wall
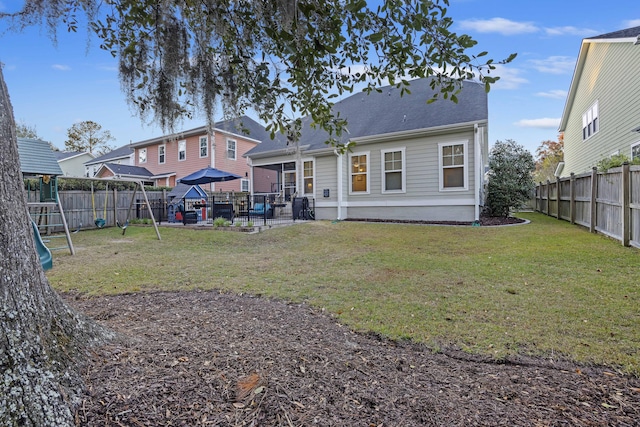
(359, 172)
(244, 185)
(231, 149)
(204, 146)
(142, 155)
(393, 171)
(590, 121)
(161, 154)
(307, 167)
(635, 151)
(182, 150)
(453, 166)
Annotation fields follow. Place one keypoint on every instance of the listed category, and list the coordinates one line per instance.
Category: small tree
(549, 155)
(510, 178)
(88, 136)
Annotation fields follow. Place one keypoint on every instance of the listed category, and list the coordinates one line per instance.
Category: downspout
(477, 141)
(340, 187)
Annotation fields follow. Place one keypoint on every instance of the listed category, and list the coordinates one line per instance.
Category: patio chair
(259, 210)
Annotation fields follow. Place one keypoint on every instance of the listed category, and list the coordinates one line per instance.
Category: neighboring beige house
(602, 115)
(73, 163)
(120, 156)
(411, 161)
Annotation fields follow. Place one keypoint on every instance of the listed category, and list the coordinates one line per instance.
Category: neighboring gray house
(121, 156)
(411, 161)
(601, 115)
(73, 163)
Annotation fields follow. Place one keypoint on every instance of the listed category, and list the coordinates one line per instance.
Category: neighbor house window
(308, 176)
(244, 185)
(359, 167)
(635, 151)
(453, 166)
(142, 155)
(204, 146)
(590, 122)
(393, 171)
(231, 149)
(161, 154)
(182, 150)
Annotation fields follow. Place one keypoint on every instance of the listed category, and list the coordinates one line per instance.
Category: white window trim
(383, 181)
(206, 146)
(595, 118)
(235, 150)
(183, 143)
(637, 144)
(465, 166)
(244, 181)
(368, 173)
(162, 148)
(142, 150)
(313, 177)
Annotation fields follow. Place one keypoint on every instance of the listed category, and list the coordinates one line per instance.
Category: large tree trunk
(42, 340)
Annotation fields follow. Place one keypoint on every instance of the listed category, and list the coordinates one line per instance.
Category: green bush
(510, 183)
(221, 222)
(615, 161)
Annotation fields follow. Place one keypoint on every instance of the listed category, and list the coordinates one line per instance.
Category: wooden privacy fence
(608, 203)
(80, 207)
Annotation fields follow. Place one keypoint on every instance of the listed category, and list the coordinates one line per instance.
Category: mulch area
(214, 359)
(485, 221)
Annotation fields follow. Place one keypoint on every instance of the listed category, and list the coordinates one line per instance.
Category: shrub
(510, 183)
(220, 222)
(615, 161)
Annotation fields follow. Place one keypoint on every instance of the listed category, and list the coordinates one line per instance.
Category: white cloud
(553, 94)
(545, 123)
(554, 64)
(632, 23)
(60, 67)
(510, 78)
(571, 31)
(502, 26)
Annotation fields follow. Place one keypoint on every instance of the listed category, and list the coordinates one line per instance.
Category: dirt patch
(212, 359)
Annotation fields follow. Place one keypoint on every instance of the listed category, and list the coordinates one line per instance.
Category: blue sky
(53, 87)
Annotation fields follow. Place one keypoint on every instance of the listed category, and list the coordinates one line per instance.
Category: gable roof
(185, 191)
(118, 153)
(632, 32)
(629, 35)
(386, 112)
(67, 155)
(127, 170)
(37, 158)
(243, 126)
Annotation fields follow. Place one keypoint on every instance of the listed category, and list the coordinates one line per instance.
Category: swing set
(101, 222)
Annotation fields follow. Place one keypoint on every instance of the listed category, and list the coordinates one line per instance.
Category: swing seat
(100, 222)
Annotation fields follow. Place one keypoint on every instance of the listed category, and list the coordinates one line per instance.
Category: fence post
(572, 199)
(548, 187)
(558, 197)
(594, 207)
(626, 217)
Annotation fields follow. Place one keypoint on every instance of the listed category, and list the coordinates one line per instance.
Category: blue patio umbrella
(207, 175)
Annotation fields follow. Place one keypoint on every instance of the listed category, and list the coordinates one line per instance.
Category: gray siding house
(411, 160)
(601, 115)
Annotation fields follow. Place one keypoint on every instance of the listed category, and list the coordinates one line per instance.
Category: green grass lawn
(546, 289)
